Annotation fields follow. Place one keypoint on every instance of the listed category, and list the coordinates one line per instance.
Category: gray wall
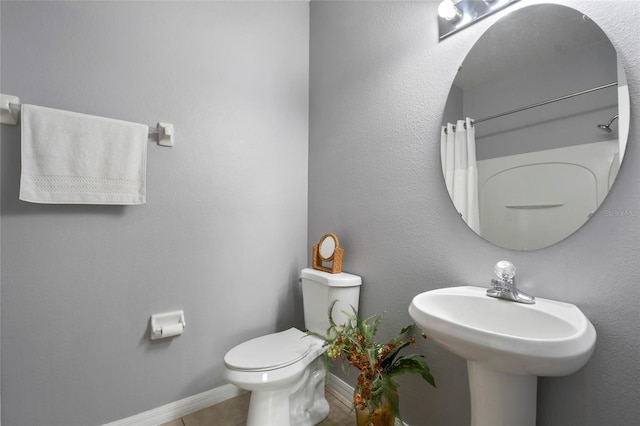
(222, 236)
(570, 122)
(453, 109)
(224, 232)
(379, 82)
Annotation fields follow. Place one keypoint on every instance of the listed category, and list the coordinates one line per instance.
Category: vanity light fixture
(455, 15)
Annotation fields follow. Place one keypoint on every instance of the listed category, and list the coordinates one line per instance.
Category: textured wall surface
(378, 85)
(222, 236)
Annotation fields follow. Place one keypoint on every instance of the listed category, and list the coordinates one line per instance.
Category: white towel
(72, 158)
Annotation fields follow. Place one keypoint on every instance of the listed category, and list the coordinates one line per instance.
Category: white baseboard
(174, 410)
(340, 389)
(177, 409)
(344, 392)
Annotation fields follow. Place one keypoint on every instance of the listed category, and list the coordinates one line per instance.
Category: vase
(383, 414)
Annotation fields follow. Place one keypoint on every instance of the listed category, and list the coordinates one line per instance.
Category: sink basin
(507, 345)
(547, 338)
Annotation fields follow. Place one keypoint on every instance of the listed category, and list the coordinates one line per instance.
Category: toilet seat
(270, 352)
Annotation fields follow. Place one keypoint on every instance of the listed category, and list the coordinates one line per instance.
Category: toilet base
(303, 404)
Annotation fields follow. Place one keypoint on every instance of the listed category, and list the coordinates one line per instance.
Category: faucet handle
(505, 270)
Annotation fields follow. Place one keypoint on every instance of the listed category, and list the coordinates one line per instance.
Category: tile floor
(233, 412)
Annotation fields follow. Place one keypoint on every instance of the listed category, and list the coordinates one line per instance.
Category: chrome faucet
(505, 286)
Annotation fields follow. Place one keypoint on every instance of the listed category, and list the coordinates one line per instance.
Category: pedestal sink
(507, 345)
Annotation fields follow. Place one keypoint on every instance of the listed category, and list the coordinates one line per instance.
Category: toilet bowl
(285, 371)
(285, 374)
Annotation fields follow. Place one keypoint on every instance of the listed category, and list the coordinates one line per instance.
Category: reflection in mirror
(535, 127)
(327, 247)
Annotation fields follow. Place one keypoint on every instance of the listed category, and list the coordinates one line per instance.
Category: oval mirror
(535, 127)
(328, 246)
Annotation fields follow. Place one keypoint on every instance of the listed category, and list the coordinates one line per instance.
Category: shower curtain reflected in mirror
(458, 155)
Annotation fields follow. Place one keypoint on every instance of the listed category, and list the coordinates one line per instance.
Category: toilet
(285, 371)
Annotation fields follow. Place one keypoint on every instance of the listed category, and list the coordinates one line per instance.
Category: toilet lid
(269, 352)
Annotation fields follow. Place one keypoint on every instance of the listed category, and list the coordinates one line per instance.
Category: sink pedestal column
(501, 399)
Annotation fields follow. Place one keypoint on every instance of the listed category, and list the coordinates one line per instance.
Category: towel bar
(10, 106)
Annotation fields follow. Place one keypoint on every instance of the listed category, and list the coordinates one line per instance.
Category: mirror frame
(323, 241)
(336, 255)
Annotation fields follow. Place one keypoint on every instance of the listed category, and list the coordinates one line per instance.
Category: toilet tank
(320, 289)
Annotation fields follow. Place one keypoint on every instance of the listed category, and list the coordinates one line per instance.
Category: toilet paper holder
(167, 324)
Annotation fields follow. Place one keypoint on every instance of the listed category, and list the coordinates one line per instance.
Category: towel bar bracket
(9, 109)
(165, 134)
